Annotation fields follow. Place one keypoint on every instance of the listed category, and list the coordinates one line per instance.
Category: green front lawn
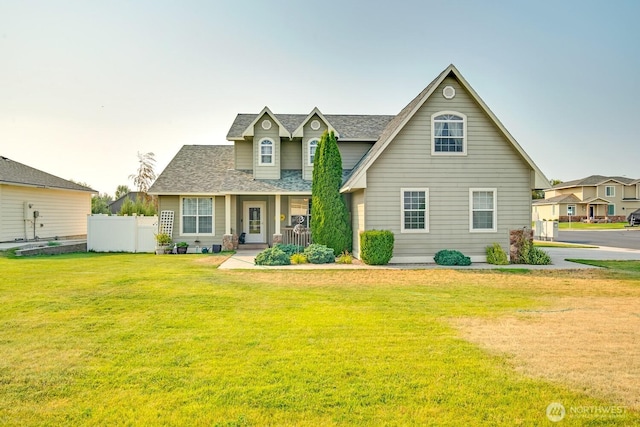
(121, 339)
(595, 226)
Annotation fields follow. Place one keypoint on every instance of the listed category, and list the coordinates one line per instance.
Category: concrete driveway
(628, 238)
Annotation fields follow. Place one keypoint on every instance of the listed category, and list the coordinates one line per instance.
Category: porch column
(278, 214)
(227, 214)
(277, 235)
(228, 243)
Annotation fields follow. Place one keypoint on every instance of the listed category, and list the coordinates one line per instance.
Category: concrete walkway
(245, 260)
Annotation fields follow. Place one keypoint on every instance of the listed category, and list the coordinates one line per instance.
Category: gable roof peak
(282, 130)
(316, 111)
(394, 127)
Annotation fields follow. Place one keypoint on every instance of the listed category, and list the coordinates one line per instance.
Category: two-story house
(596, 197)
(444, 173)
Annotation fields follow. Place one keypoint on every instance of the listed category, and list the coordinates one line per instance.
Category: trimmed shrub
(319, 254)
(298, 258)
(538, 257)
(496, 255)
(376, 246)
(290, 249)
(272, 256)
(451, 257)
(345, 258)
(530, 254)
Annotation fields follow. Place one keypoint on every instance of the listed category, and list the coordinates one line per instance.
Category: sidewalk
(245, 260)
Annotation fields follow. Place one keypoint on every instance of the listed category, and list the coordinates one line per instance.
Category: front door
(254, 222)
(592, 211)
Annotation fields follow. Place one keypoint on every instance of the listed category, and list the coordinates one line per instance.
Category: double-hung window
(482, 206)
(197, 215)
(415, 210)
(610, 191)
(266, 152)
(571, 210)
(313, 144)
(449, 133)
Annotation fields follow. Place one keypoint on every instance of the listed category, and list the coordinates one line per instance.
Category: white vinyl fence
(121, 233)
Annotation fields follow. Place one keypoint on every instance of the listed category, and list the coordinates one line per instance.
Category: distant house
(442, 174)
(38, 205)
(114, 207)
(595, 197)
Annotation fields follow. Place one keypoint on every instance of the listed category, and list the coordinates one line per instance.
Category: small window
(197, 215)
(610, 191)
(449, 134)
(571, 210)
(611, 210)
(313, 145)
(415, 215)
(266, 152)
(483, 209)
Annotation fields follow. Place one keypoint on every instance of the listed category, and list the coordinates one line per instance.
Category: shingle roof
(349, 126)
(594, 180)
(12, 172)
(206, 169)
(563, 198)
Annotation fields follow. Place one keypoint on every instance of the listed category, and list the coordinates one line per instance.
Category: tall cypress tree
(330, 223)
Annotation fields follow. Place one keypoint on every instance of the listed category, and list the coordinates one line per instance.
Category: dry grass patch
(590, 343)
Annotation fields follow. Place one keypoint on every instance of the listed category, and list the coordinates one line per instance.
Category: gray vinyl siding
(358, 219)
(307, 171)
(491, 162)
(291, 154)
(172, 203)
(352, 152)
(62, 213)
(243, 155)
(271, 171)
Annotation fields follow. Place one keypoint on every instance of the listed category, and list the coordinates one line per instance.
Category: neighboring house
(38, 205)
(115, 206)
(595, 197)
(442, 174)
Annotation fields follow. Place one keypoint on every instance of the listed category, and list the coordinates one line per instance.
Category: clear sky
(85, 85)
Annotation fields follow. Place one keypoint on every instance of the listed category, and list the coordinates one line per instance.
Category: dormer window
(449, 133)
(266, 152)
(313, 144)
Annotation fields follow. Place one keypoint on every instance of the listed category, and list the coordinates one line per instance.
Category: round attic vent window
(266, 124)
(448, 92)
(315, 125)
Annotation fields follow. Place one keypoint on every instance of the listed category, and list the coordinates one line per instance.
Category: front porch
(266, 220)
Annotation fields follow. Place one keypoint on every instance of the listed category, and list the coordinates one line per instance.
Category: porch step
(252, 246)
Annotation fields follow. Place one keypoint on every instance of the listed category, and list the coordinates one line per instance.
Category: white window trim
(464, 134)
(273, 152)
(613, 191)
(426, 211)
(614, 209)
(213, 216)
(575, 210)
(495, 211)
(309, 162)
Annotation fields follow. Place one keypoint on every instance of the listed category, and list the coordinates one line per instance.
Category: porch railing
(297, 235)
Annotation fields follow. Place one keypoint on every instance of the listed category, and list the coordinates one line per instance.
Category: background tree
(99, 203)
(122, 190)
(145, 175)
(539, 194)
(330, 223)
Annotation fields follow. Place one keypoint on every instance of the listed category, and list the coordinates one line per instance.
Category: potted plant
(163, 241)
(181, 247)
